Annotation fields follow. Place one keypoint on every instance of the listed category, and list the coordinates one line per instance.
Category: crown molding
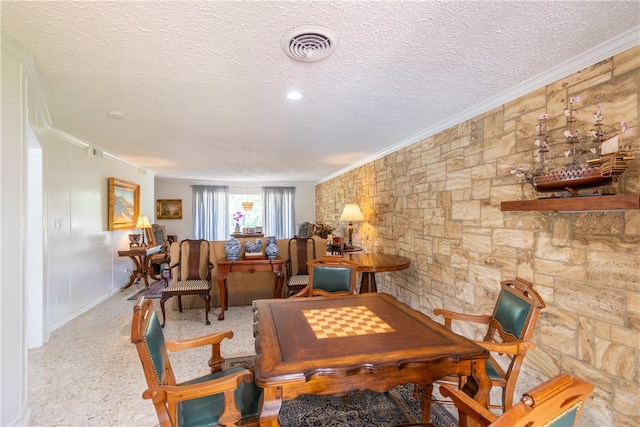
(612, 47)
(30, 70)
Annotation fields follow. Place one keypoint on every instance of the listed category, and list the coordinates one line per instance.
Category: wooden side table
(251, 266)
(141, 260)
(370, 264)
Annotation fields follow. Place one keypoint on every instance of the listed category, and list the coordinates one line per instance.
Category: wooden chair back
(331, 276)
(193, 261)
(224, 396)
(300, 250)
(557, 402)
(147, 335)
(191, 275)
(513, 321)
(508, 336)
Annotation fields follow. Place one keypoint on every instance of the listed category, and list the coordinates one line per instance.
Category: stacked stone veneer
(438, 203)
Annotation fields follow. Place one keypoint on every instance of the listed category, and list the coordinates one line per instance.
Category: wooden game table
(334, 345)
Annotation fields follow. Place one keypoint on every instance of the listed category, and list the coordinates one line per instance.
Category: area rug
(154, 291)
(358, 409)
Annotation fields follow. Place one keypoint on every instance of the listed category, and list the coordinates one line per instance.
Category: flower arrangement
(323, 230)
(237, 217)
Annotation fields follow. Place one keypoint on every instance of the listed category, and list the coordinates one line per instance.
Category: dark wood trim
(582, 203)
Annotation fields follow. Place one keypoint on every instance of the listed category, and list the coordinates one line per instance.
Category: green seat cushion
(205, 411)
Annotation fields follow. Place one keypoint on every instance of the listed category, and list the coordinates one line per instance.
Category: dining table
(335, 345)
(371, 263)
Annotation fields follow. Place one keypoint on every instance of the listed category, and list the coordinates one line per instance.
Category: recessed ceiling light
(115, 114)
(294, 95)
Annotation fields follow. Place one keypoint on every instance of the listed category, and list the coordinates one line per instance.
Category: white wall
(13, 358)
(181, 189)
(79, 265)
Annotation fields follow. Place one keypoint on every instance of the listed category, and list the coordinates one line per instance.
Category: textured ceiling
(202, 84)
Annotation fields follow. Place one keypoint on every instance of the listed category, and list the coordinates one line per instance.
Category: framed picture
(169, 209)
(124, 204)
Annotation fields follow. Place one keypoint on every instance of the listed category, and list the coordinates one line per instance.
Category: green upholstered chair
(224, 397)
(509, 332)
(331, 276)
(300, 250)
(557, 402)
(190, 275)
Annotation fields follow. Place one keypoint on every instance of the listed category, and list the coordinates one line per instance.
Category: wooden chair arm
(181, 392)
(507, 347)
(213, 339)
(467, 406)
(452, 315)
(209, 269)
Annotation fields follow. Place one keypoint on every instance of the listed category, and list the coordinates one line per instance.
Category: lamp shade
(247, 206)
(143, 222)
(351, 212)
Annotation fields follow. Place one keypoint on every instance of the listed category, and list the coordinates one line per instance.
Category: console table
(251, 266)
(143, 268)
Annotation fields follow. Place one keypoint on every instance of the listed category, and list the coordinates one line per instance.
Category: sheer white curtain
(278, 211)
(210, 212)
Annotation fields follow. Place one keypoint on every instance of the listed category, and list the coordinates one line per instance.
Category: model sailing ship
(608, 161)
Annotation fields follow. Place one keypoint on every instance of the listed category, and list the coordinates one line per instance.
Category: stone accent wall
(438, 203)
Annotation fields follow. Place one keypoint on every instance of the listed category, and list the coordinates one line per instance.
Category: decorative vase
(232, 248)
(237, 230)
(253, 247)
(272, 248)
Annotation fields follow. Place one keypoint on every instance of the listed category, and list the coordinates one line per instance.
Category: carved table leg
(270, 404)
(222, 288)
(134, 274)
(277, 293)
(426, 392)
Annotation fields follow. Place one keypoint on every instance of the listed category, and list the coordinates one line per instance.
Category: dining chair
(300, 250)
(190, 275)
(330, 276)
(557, 402)
(508, 335)
(224, 397)
(157, 236)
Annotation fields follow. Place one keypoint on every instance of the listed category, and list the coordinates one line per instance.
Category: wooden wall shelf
(582, 203)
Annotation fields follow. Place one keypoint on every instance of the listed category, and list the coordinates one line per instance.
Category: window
(250, 218)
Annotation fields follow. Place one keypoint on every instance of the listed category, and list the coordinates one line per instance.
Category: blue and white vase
(272, 247)
(253, 248)
(232, 248)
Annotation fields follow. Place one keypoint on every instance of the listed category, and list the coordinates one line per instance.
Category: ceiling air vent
(309, 44)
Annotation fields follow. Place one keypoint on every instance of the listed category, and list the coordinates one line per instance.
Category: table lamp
(351, 213)
(143, 222)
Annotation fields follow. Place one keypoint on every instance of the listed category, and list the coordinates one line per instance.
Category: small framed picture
(169, 209)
